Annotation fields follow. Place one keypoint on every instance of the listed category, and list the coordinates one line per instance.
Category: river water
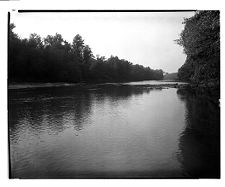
(113, 131)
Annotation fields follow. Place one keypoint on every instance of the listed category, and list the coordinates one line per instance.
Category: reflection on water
(200, 140)
(111, 131)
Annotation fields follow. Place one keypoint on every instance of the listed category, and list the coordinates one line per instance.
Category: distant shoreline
(211, 89)
(27, 85)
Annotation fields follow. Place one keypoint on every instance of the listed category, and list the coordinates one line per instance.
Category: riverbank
(38, 85)
(153, 84)
(211, 90)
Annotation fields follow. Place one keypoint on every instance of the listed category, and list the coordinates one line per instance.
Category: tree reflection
(200, 141)
(54, 109)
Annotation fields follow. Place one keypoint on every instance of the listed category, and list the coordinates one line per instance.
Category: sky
(145, 38)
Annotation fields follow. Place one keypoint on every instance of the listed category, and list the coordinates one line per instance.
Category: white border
(5, 6)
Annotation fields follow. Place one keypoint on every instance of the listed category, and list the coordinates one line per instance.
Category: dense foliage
(201, 42)
(52, 59)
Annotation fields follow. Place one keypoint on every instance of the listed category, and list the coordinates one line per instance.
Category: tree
(78, 46)
(53, 59)
(201, 42)
(35, 41)
(54, 41)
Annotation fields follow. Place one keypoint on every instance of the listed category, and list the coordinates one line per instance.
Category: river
(113, 131)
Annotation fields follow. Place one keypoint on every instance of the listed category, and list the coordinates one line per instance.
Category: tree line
(53, 59)
(201, 42)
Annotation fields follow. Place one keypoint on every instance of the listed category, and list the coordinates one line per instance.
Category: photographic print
(114, 94)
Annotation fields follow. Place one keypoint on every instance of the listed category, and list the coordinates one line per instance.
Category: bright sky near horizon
(145, 38)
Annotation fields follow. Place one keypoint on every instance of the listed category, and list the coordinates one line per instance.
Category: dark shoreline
(24, 85)
(212, 90)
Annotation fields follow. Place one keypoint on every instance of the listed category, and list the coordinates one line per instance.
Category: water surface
(112, 131)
